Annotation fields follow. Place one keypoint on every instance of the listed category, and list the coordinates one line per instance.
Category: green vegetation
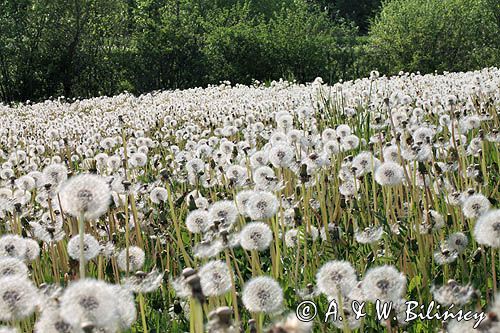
(428, 35)
(83, 48)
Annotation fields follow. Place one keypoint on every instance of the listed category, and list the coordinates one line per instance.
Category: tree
(428, 35)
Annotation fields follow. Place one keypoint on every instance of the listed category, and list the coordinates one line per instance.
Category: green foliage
(95, 47)
(298, 42)
(84, 48)
(58, 47)
(359, 11)
(428, 35)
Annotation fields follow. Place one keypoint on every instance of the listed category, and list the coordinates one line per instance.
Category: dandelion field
(220, 209)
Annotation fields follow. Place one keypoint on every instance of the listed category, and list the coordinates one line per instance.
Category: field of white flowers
(220, 210)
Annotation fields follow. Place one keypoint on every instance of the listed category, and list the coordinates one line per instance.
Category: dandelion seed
(85, 195)
(336, 276)
(18, 298)
(262, 294)
(389, 173)
(91, 301)
(281, 156)
(256, 236)
(262, 205)
(158, 195)
(369, 235)
(12, 246)
(198, 221)
(475, 206)
(91, 247)
(453, 293)
(223, 211)
(136, 257)
(215, 278)
(384, 283)
(487, 229)
(12, 267)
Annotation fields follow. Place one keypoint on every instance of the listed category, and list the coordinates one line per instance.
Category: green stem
(81, 233)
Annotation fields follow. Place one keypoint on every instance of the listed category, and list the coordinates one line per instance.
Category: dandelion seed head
(158, 195)
(336, 276)
(291, 324)
(18, 298)
(237, 175)
(258, 159)
(256, 236)
(224, 211)
(140, 283)
(136, 258)
(91, 247)
(54, 174)
(85, 195)
(487, 229)
(475, 206)
(51, 322)
(91, 301)
(457, 242)
(384, 283)
(12, 246)
(138, 160)
(125, 307)
(262, 205)
(369, 235)
(262, 294)
(389, 173)
(32, 249)
(281, 156)
(445, 256)
(453, 293)
(197, 221)
(350, 142)
(12, 267)
(215, 278)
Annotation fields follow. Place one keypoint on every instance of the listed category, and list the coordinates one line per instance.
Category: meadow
(221, 209)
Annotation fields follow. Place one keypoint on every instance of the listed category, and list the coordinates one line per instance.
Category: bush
(298, 42)
(428, 35)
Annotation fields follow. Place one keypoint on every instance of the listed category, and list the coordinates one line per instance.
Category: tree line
(84, 48)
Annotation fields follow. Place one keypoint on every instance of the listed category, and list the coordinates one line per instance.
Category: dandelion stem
(143, 313)
(81, 233)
